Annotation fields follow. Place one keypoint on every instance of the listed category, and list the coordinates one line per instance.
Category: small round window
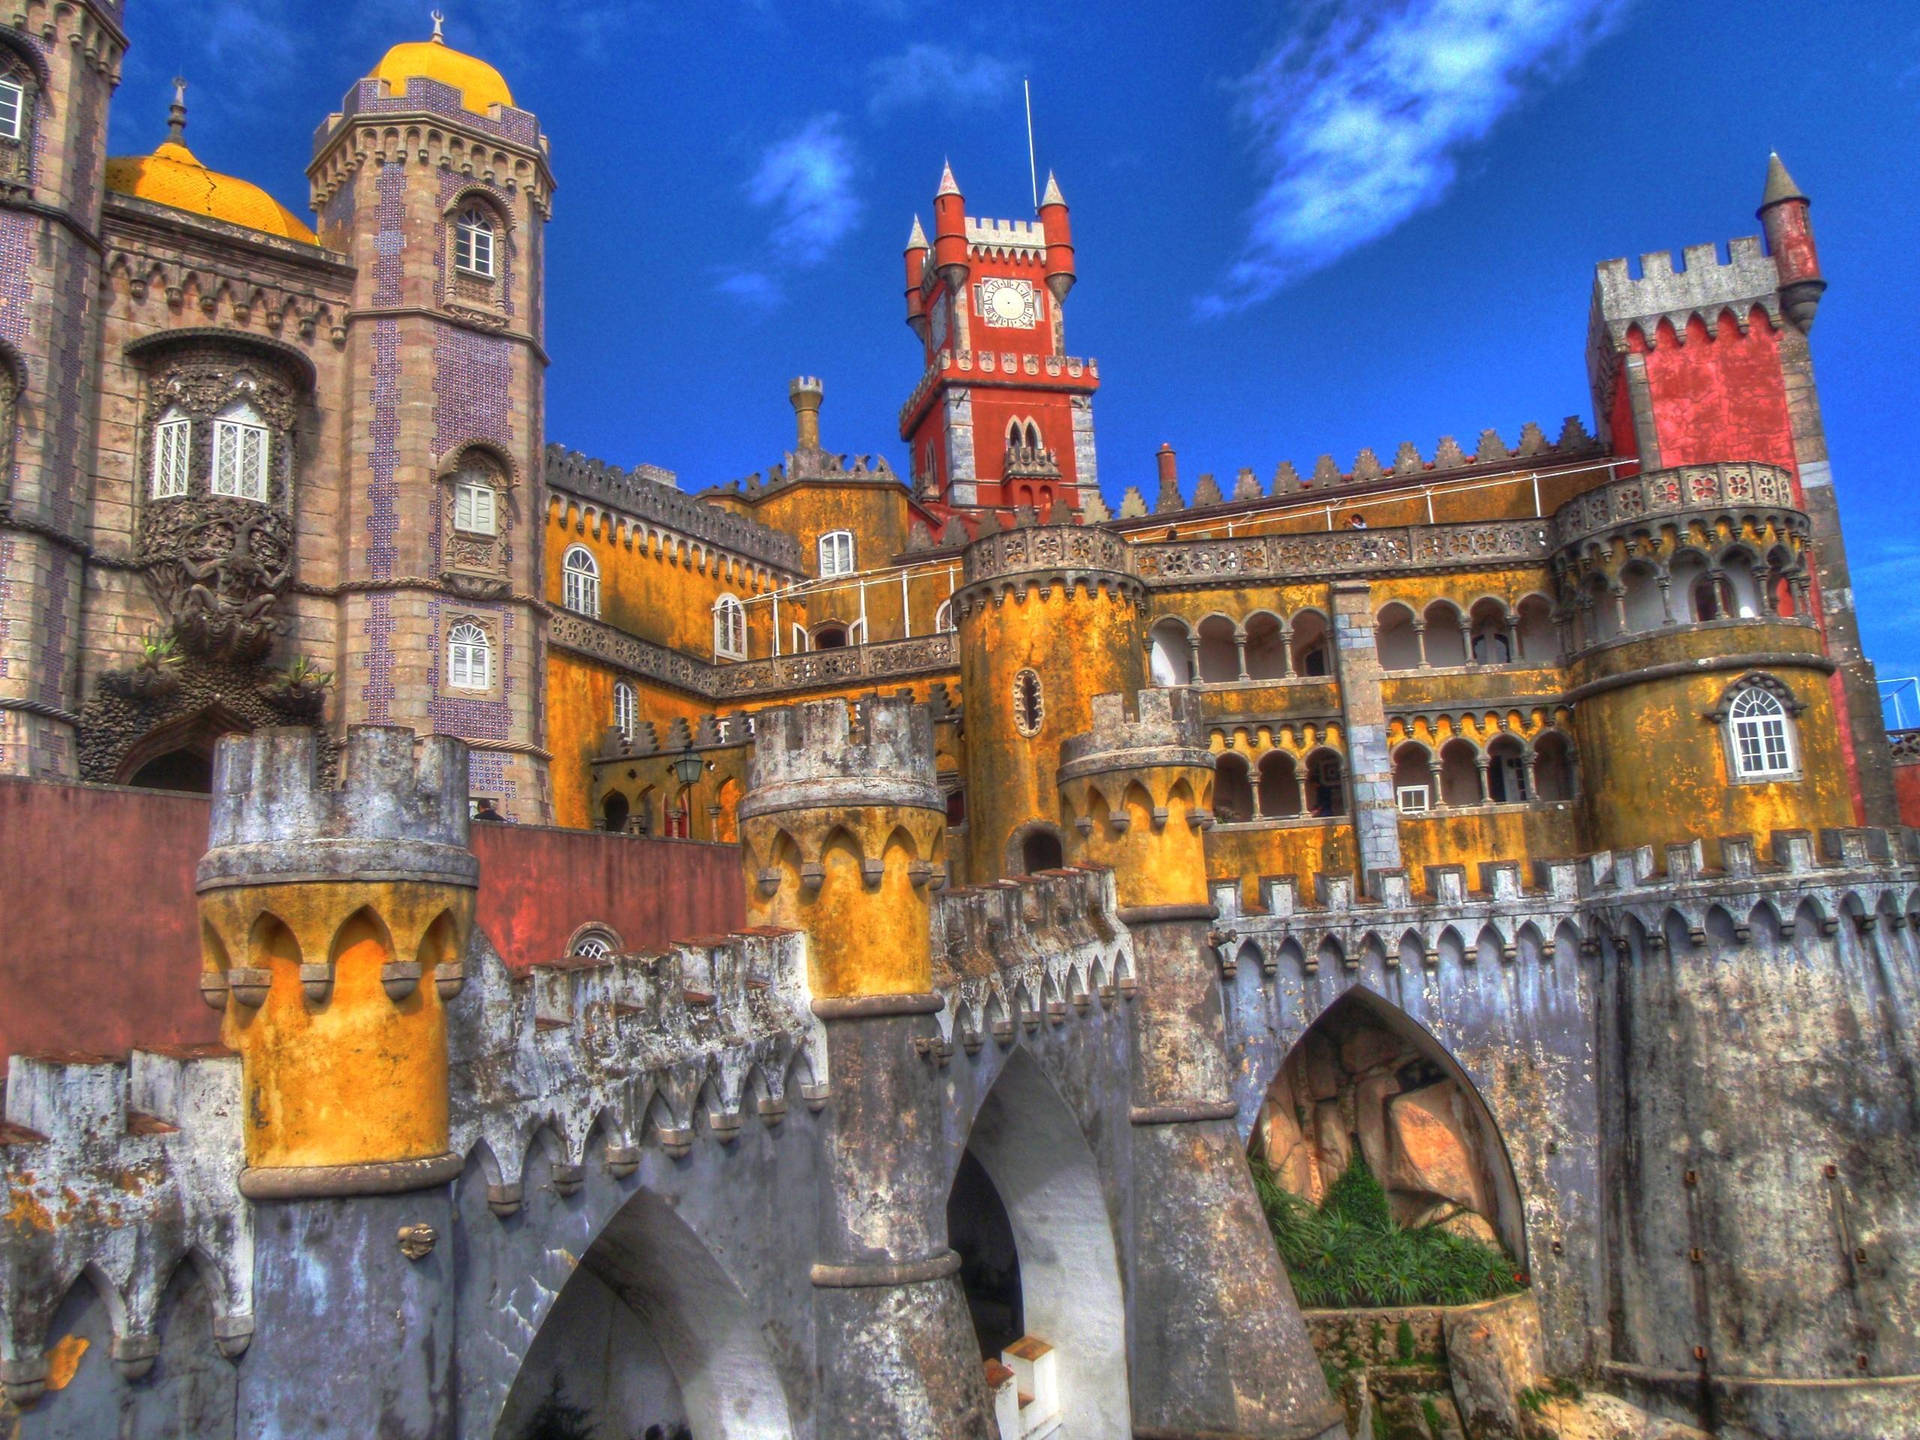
(1028, 706)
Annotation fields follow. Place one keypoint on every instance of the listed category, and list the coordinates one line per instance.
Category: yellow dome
(480, 85)
(171, 176)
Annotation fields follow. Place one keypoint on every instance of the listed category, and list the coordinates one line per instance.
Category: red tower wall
(1719, 396)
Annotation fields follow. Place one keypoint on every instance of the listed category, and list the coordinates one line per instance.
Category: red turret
(916, 254)
(1059, 231)
(1783, 214)
(950, 232)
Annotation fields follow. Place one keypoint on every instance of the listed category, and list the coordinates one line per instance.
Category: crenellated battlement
(1867, 876)
(1161, 726)
(1030, 951)
(117, 1172)
(400, 809)
(1702, 285)
(822, 754)
(658, 1048)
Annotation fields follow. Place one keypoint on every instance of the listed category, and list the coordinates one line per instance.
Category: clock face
(1007, 304)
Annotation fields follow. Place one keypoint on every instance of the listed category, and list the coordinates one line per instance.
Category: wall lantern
(687, 767)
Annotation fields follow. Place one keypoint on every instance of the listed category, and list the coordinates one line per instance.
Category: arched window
(1506, 771)
(943, 618)
(473, 502)
(1326, 787)
(729, 628)
(1232, 790)
(1760, 734)
(469, 657)
(613, 813)
(1312, 652)
(240, 453)
(1279, 785)
(580, 582)
(594, 942)
(172, 439)
(13, 109)
(1219, 654)
(626, 708)
(1170, 659)
(831, 636)
(836, 553)
(1029, 707)
(1266, 647)
(473, 242)
(1397, 639)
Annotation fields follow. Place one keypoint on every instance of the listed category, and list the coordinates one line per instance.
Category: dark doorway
(830, 637)
(981, 1234)
(176, 770)
(1040, 851)
(613, 811)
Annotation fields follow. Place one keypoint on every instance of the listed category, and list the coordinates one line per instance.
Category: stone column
(1376, 819)
(821, 829)
(335, 927)
(1217, 1344)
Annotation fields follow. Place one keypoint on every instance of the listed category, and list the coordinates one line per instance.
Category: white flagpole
(1033, 171)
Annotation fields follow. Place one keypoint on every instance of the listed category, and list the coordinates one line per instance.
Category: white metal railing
(1902, 693)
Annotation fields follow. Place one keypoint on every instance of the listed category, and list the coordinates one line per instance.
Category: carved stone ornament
(217, 566)
(417, 1241)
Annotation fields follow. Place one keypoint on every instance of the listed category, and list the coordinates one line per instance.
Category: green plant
(303, 674)
(1430, 1413)
(1534, 1398)
(1350, 1252)
(1403, 1342)
(160, 650)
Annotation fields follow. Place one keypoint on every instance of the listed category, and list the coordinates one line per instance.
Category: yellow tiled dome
(171, 176)
(480, 85)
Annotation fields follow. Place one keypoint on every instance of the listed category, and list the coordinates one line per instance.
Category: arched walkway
(651, 1330)
(1367, 1077)
(1032, 1150)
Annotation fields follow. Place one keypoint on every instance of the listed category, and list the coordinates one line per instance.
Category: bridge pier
(1217, 1344)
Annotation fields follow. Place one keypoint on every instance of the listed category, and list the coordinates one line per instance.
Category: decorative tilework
(383, 490)
(473, 386)
(53, 645)
(506, 248)
(6, 594)
(379, 659)
(390, 235)
(437, 98)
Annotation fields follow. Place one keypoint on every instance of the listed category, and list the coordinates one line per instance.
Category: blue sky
(1300, 229)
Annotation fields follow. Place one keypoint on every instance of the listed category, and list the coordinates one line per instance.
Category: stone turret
(334, 926)
(842, 830)
(1137, 790)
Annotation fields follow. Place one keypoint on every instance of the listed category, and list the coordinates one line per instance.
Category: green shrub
(1349, 1252)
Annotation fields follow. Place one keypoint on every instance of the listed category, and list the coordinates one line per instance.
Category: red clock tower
(1002, 416)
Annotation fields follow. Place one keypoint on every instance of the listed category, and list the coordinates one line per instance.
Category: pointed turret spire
(948, 185)
(1780, 184)
(1052, 195)
(438, 19)
(916, 238)
(177, 113)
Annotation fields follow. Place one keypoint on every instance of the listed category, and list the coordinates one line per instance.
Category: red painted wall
(1719, 397)
(1906, 789)
(537, 886)
(99, 934)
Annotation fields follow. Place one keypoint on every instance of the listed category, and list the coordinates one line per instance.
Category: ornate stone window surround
(21, 86)
(1757, 716)
(478, 241)
(478, 498)
(729, 628)
(580, 582)
(473, 668)
(594, 941)
(209, 388)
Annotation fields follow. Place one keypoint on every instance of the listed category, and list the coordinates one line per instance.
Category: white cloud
(807, 179)
(753, 288)
(925, 74)
(1360, 114)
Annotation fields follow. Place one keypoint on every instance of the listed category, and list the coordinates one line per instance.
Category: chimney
(805, 394)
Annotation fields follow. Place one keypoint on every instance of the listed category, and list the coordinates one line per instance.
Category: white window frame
(1760, 736)
(626, 708)
(943, 618)
(473, 243)
(836, 554)
(469, 657)
(242, 447)
(729, 628)
(1413, 799)
(475, 502)
(580, 582)
(13, 95)
(172, 457)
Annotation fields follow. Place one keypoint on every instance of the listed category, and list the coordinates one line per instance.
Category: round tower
(841, 832)
(950, 231)
(1136, 792)
(1048, 617)
(915, 256)
(1784, 215)
(334, 926)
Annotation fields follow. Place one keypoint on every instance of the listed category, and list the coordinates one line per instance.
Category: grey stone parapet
(817, 754)
(636, 493)
(1864, 875)
(399, 813)
(1163, 726)
(1701, 285)
(130, 1167)
(657, 1048)
(1008, 564)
